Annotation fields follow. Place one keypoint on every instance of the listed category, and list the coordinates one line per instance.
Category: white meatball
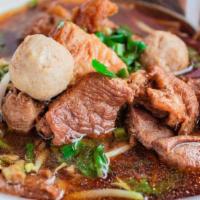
(165, 50)
(41, 67)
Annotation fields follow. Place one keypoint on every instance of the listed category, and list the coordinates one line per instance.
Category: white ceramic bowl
(5, 6)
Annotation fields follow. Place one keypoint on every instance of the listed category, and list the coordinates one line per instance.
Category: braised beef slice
(88, 108)
(180, 151)
(42, 24)
(195, 85)
(169, 98)
(92, 15)
(48, 16)
(20, 111)
(34, 187)
(144, 127)
(138, 82)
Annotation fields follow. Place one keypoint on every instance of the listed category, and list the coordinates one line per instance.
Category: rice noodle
(3, 86)
(100, 193)
(184, 71)
(118, 151)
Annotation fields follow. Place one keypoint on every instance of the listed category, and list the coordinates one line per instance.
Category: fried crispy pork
(89, 108)
(195, 85)
(92, 15)
(84, 48)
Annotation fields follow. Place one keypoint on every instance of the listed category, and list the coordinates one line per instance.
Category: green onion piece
(30, 151)
(4, 145)
(119, 49)
(129, 58)
(101, 36)
(70, 150)
(3, 70)
(126, 31)
(136, 45)
(141, 185)
(102, 69)
(33, 3)
(123, 73)
(100, 162)
(2, 42)
(137, 66)
(120, 134)
(129, 50)
(60, 24)
(121, 38)
(194, 57)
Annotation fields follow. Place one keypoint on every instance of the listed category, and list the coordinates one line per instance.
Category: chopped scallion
(102, 69)
(33, 3)
(30, 152)
(126, 48)
(123, 73)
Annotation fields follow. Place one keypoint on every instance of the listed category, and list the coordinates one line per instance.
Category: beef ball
(166, 50)
(41, 67)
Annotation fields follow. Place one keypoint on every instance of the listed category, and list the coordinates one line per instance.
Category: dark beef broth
(136, 163)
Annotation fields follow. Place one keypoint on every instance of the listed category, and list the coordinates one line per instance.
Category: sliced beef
(20, 111)
(89, 108)
(48, 16)
(172, 95)
(180, 151)
(138, 82)
(92, 15)
(85, 47)
(145, 128)
(34, 187)
(195, 85)
(42, 24)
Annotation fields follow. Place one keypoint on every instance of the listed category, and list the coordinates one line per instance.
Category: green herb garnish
(102, 69)
(120, 134)
(3, 70)
(33, 3)
(2, 42)
(4, 145)
(30, 152)
(100, 161)
(123, 73)
(125, 47)
(88, 157)
(194, 57)
(70, 150)
(141, 185)
(93, 162)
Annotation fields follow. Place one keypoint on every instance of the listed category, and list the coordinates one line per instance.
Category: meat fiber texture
(89, 108)
(166, 97)
(145, 127)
